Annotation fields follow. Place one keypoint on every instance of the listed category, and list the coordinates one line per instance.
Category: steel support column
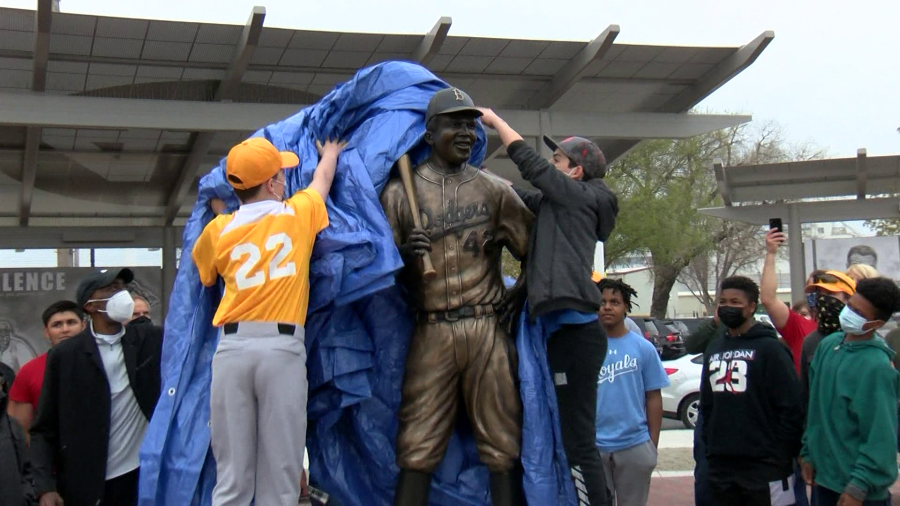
(795, 249)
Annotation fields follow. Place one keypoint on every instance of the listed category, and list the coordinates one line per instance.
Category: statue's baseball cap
(448, 101)
(581, 151)
(255, 161)
(98, 280)
(834, 282)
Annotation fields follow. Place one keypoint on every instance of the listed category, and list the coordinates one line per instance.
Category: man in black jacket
(100, 390)
(573, 210)
(751, 406)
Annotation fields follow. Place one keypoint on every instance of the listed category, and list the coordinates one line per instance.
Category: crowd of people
(812, 402)
(73, 419)
(807, 415)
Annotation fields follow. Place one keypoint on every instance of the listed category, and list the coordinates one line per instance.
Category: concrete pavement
(673, 481)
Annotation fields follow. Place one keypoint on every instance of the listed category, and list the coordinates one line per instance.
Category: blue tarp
(358, 325)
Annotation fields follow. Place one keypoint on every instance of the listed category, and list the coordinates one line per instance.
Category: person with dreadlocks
(629, 402)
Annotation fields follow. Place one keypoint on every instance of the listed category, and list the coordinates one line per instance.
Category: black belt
(283, 328)
(457, 314)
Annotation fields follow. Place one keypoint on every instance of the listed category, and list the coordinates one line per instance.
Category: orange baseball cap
(255, 161)
(596, 277)
(834, 282)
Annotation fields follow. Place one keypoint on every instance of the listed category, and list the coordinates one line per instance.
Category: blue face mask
(811, 302)
(852, 323)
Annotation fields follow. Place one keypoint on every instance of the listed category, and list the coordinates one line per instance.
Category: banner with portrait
(882, 253)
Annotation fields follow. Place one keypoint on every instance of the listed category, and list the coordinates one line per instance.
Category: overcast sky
(830, 77)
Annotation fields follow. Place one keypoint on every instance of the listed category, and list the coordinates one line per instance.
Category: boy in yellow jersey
(259, 385)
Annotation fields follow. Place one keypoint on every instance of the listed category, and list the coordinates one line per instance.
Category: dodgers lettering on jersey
(728, 370)
(469, 217)
(262, 253)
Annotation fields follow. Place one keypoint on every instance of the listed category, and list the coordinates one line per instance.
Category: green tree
(741, 247)
(884, 227)
(510, 266)
(662, 184)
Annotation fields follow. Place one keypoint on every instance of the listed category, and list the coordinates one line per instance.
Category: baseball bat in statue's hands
(418, 242)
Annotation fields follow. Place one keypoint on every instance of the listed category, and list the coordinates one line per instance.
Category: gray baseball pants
(258, 415)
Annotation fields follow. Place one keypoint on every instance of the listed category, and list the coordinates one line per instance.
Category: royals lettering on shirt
(626, 365)
(631, 369)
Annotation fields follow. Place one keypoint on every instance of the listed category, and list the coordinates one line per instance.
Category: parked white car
(681, 399)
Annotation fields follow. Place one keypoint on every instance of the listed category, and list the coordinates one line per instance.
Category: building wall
(682, 303)
(642, 282)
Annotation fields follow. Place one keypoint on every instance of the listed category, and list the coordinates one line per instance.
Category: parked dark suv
(692, 324)
(664, 334)
(673, 347)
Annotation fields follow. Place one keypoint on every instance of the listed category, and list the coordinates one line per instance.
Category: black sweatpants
(733, 494)
(575, 354)
(827, 497)
(121, 490)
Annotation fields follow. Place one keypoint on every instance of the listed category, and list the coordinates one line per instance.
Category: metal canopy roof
(815, 191)
(107, 122)
(838, 189)
(97, 55)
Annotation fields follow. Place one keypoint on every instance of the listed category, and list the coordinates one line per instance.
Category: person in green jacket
(849, 446)
(706, 332)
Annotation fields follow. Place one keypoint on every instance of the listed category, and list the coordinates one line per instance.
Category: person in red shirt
(61, 320)
(792, 326)
(801, 306)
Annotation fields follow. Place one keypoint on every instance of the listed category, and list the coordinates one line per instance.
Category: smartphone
(775, 224)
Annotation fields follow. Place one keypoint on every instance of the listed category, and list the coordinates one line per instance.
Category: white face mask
(280, 198)
(119, 307)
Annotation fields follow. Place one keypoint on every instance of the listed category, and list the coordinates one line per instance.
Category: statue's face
(452, 136)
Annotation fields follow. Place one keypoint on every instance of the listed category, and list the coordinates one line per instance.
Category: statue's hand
(417, 244)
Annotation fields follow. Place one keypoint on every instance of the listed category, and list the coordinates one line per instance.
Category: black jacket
(15, 485)
(752, 421)
(705, 333)
(71, 432)
(570, 218)
(807, 352)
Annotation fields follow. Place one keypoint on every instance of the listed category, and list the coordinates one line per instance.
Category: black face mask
(828, 314)
(731, 317)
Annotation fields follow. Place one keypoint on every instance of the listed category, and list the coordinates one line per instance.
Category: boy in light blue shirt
(629, 402)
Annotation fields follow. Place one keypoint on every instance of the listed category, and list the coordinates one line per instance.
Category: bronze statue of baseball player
(459, 356)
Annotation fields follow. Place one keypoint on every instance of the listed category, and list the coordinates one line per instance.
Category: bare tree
(739, 250)
(662, 184)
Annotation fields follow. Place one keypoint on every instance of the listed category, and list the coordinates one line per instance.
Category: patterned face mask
(828, 314)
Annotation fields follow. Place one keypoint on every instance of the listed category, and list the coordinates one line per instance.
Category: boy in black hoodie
(751, 405)
(573, 210)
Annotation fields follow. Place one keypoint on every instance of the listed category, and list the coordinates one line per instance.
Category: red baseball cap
(583, 152)
(255, 161)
